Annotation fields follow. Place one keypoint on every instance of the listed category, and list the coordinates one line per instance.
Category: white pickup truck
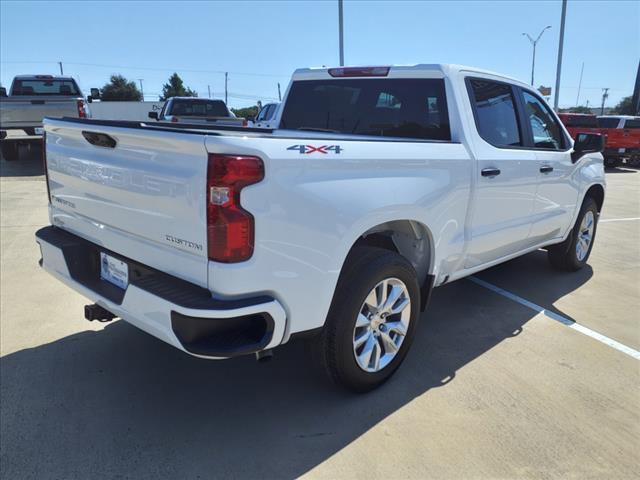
(30, 99)
(381, 183)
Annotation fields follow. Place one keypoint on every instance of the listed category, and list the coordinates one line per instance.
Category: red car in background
(622, 139)
(579, 123)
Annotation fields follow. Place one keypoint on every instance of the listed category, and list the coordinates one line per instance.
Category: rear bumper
(16, 134)
(173, 310)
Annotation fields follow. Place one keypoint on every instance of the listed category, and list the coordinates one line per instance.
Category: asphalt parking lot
(492, 388)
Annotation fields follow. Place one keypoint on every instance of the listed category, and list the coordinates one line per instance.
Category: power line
(157, 69)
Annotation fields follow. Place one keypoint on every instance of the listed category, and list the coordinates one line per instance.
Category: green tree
(248, 112)
(119, 89)
(176, 88)
(624, 107)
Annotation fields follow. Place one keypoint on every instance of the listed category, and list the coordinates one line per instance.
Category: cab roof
(431, 70)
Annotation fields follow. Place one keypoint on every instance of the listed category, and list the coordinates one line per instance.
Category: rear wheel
(10, 150)
(573, 253)
(372, 319)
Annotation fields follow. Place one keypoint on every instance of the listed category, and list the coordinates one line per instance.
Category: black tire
(333, 349)
(610, 162)
(10, 150)
(564, 255)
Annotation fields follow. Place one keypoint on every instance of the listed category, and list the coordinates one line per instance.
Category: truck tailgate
(29, 111)
(143, 198)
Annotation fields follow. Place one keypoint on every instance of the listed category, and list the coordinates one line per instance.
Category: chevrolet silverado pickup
(380, 184)
(622, 139)
(31, 98)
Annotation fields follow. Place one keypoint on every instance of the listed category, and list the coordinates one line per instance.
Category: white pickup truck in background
(267, 116)
(30, 99)
(380, 184)
(197, 110)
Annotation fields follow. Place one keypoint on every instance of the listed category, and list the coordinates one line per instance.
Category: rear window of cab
(404, 108)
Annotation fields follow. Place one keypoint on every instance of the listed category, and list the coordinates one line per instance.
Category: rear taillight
(174, 119)
(359, 72)
(82, 111)
(44, 164)
(230, 228)
(245, 123)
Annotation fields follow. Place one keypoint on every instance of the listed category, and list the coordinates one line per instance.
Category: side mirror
(95, 94)
(153, 115)
(3, 92)
(587, 143)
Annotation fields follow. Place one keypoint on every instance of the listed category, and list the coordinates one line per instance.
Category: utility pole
(226, 93)
(580, 85)
(61, 71)
(635, 99)
(141, 89)
(560, 46)
(209, 90)
(279, 95)
(341, 32)
(605, 95)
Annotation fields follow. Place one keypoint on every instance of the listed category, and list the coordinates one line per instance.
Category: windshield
(199, 108)
(408, 108)
(44, 87)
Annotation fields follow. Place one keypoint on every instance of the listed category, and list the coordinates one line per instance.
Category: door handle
(490, 172)
(546, 169)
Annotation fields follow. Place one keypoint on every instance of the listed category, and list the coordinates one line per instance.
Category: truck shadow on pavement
(118, 402)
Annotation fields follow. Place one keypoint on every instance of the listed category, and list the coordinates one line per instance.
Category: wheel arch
(410, 238)
(595, 191)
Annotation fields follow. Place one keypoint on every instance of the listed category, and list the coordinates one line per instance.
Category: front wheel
(572, 254)
(611, 162)
(372, 319)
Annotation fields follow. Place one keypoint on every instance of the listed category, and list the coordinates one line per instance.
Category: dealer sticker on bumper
(114, 271)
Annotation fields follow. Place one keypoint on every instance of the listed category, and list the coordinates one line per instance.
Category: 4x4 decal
(308, 149)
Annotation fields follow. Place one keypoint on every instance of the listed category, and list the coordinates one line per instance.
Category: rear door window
(608, 122)
(634, 123)
(405, 108)
(495, 112)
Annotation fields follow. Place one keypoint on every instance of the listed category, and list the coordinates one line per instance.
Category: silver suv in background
(30, 99)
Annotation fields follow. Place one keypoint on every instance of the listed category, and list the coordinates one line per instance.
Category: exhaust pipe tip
(264, 356)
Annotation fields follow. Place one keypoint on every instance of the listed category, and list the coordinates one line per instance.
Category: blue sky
(261, 43)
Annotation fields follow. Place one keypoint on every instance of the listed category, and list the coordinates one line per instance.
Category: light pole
(141, 89)
(534, 43)
(341, 33)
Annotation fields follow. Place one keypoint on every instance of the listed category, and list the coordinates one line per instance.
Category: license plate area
(114, 271)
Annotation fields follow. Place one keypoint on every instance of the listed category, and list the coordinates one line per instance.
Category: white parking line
(619, 219)
(559, 318)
